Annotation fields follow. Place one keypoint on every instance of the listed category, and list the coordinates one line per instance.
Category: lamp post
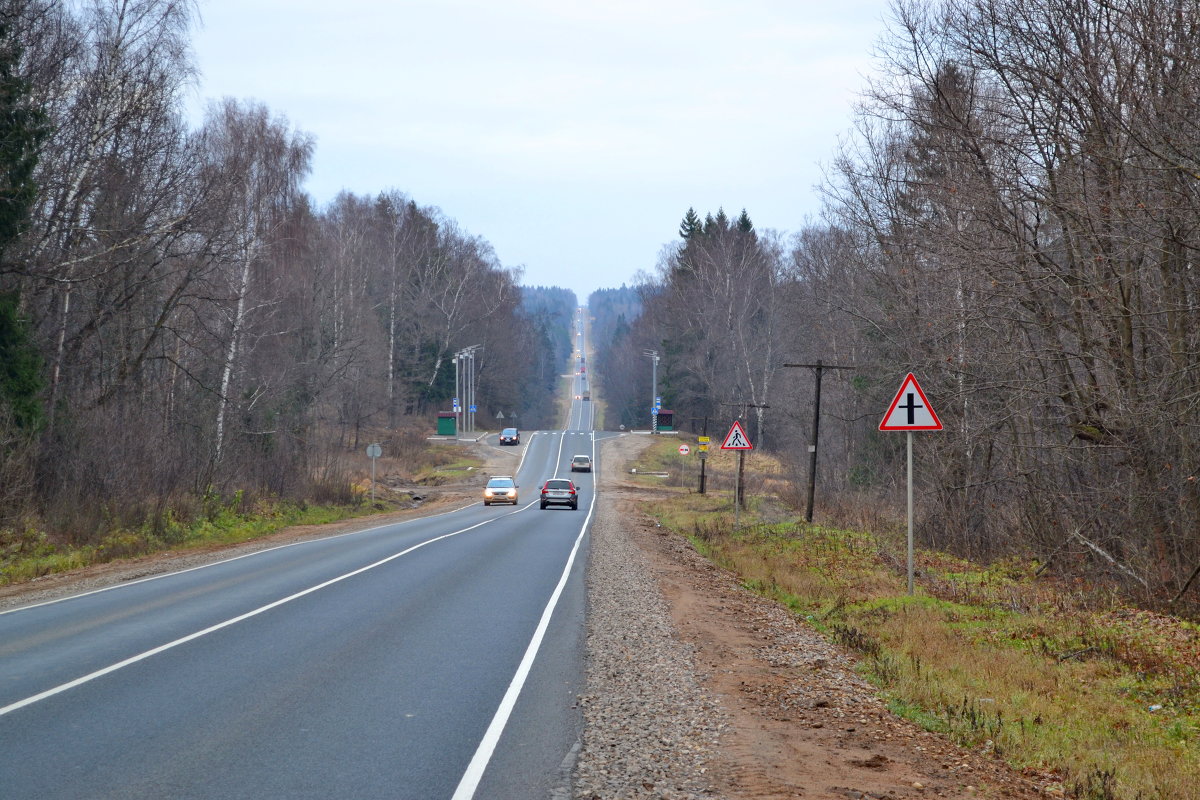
(464, 365)
(457, 405)
(653, 356)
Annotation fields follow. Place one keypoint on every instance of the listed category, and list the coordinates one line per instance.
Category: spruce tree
(691, 224)
(722, 220)
(22, 130)
(744, 224)
(20, 367)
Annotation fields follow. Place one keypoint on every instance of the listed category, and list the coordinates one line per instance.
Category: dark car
(510, 436)
(559, 492)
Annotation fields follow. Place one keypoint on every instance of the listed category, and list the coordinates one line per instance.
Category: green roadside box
(447, 423)
(666, 420)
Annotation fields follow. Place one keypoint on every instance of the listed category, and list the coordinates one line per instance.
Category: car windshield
(500, 483)
(558, 484)
(582, 459)
(509, 432)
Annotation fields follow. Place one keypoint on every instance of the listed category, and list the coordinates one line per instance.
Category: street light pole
(653, 356)
(464, 389)
(457, 360)
(470, 389)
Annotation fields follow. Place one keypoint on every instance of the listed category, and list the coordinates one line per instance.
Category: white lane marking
(125, 584)
(28, 701)
(558, 458)
(524, 452)
(491, 737)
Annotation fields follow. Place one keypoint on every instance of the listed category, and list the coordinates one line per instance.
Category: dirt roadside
(803, 724)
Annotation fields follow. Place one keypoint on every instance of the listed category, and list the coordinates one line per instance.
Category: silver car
(500, 489)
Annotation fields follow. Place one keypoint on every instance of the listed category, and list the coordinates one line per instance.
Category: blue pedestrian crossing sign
(910, 410)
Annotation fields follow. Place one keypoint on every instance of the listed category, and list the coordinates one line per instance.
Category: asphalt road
(436, 658)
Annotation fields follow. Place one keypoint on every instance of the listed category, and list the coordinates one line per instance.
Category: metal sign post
(910, 517)
(737, 439)
(914, 414)
(374, 451)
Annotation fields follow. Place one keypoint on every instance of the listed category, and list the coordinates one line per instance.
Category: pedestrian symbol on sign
(737, 439)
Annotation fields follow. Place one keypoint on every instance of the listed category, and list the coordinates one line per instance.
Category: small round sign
(684, 449)
(374, 451)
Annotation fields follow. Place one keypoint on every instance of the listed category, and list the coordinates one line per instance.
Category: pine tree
(722, 220)
(22, 130)
(691, 224)
(20, 366)
(744, 224)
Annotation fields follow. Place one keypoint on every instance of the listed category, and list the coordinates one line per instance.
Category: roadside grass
(1048, 676)
(438, 464)
(38, 555)
(212, 521)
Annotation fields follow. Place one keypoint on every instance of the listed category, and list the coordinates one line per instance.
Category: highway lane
(374, 664)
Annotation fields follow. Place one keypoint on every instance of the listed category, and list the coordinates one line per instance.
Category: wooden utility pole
(703, 450)
(816, 430)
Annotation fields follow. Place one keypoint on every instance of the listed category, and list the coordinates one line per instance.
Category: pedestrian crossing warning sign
(736, 439)
(910, 411)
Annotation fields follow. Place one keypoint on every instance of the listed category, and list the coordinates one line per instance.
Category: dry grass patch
(338, 490)
(1043, 676)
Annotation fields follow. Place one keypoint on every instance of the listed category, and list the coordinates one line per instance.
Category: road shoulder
(794, 719)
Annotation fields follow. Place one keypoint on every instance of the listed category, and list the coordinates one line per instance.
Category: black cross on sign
(911, 406)
(919, 414)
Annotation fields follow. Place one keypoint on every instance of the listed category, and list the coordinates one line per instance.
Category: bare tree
(258, 163)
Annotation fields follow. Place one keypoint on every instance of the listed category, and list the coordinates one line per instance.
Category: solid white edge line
(164, 647)
(491, 737)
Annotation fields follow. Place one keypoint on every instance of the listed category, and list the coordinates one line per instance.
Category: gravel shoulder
(699, 689)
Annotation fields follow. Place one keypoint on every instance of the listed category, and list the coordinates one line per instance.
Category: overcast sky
(572, 136)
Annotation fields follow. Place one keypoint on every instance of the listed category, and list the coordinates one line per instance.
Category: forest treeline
(179, 322)
(1016, 220)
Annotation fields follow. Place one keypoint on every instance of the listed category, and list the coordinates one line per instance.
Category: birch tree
(258, 163)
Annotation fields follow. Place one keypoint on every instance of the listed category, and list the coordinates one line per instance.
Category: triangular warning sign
(910, 411)
(736, 439)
